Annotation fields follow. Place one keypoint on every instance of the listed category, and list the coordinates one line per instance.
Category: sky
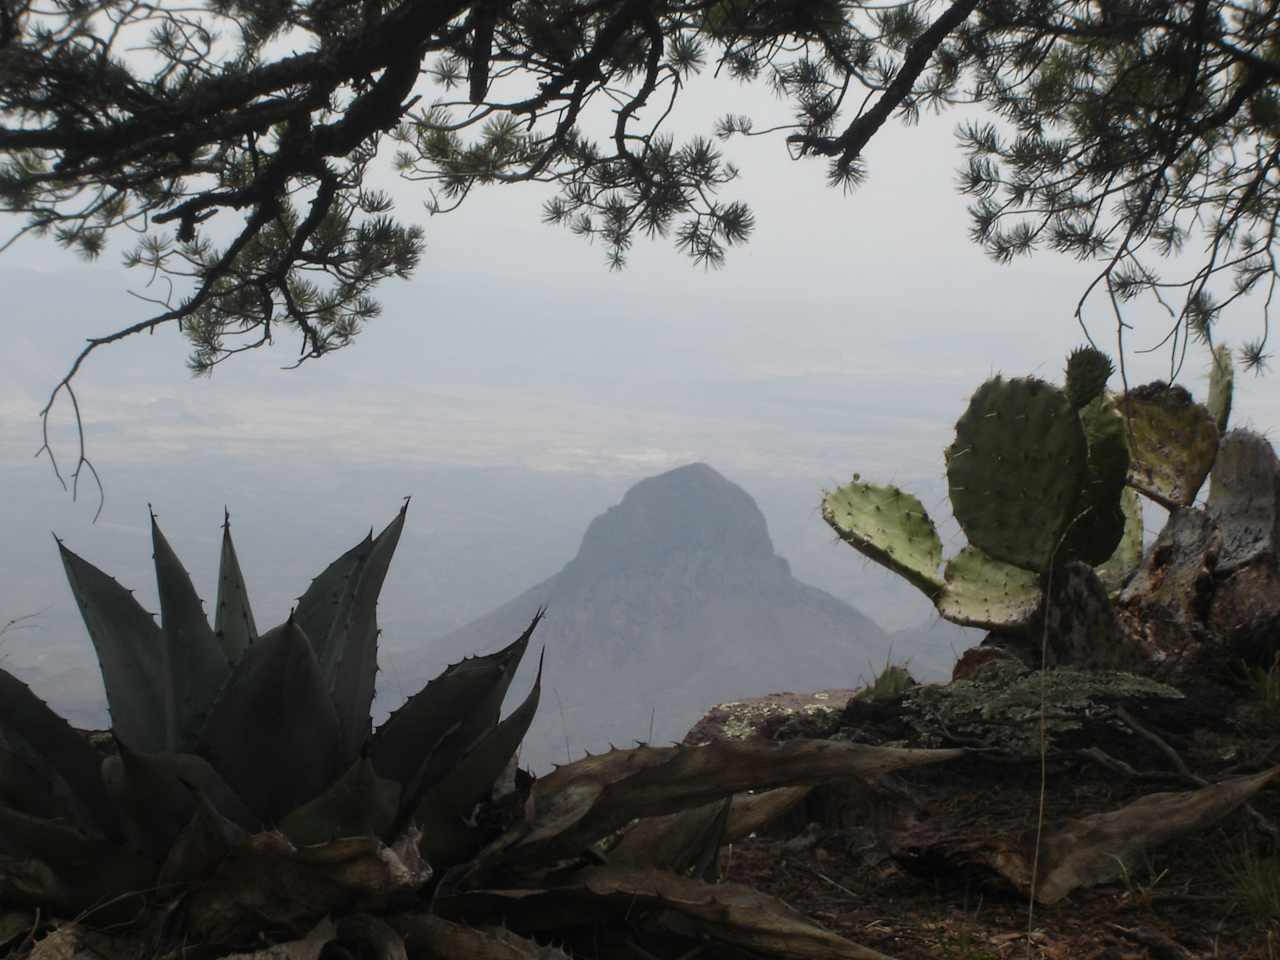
(516, 387)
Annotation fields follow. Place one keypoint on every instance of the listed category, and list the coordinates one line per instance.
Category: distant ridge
(675, 601)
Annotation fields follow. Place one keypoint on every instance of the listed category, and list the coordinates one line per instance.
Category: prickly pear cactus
(1173, 442)
(891, 527)
(1016, 469)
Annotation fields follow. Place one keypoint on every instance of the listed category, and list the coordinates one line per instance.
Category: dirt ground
(1215, 894)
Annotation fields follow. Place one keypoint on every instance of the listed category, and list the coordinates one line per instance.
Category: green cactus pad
(1015, 470)
(1098, 521)
(1124, 562)
(889, 526)
(986, 593)
(1221, 387)
(1088, 371)
(1172, 443)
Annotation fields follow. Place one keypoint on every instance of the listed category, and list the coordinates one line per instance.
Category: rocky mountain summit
(675, 600)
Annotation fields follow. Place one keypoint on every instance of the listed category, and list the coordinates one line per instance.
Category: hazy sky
(845, 337)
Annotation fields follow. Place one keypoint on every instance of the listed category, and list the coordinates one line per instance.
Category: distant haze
(516, 389)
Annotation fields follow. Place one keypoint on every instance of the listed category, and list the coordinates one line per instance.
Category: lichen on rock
(999, 707)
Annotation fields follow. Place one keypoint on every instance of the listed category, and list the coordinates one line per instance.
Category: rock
(763, 718)
(1244, 500)
(1165, 607)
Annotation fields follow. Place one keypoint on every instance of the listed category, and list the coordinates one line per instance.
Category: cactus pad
(889, 526)
(1221, 387)
(1172, 443)
(982, 592)
(1098, 521)
(1015, 470)
(1088, 370)
(1124, 562)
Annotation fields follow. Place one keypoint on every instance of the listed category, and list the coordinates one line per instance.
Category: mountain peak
(690, 509)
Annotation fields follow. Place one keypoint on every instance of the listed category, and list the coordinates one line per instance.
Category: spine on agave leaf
(233, 622)
(273, 731)
(1173, 443)
(130, 652)
(195, 664)
(889, 526)
(1015, 469)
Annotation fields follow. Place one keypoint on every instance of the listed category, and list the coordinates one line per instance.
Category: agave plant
(215, 727)
(242, 794)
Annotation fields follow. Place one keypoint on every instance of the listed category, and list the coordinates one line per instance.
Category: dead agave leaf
(307, 948)
(266, 881)
(429, 937)
(582, 802)
(728, 912)
(674, 841)
(71, 941)
(1092, 850)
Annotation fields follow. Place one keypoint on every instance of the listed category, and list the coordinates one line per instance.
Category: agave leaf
(131, 653)
(53, 741)
(434, 938)
(1102, 847)
(233, 623)
(28, 786)
(359, 804)
(348, 656)
(207, 840)
(729, 912)
(156, 794)
(446, 806)
(79, 870)
(466, 698)
(272, 732)
(266, 882)
(197, 666)
(581, 802)
(318, 608)
(310, 947)
(733, 914)
(679, 841)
